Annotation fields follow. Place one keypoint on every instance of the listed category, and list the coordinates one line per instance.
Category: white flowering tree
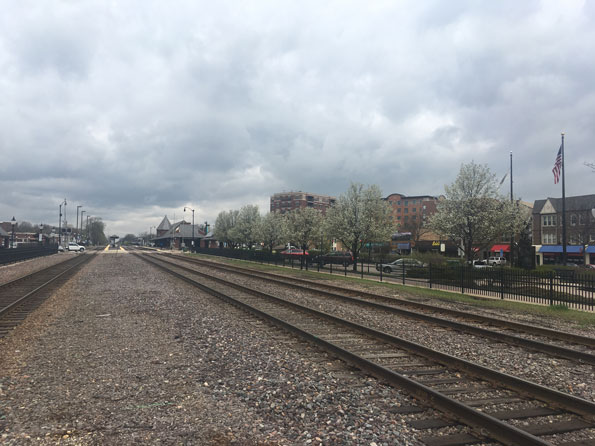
(271, 230)
(358, 217)
(244, 232)
(303, 226)
(225, 222)
(474, 214)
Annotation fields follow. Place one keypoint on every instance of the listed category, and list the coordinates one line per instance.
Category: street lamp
(60, 221)
(41, 233)
(149, 241)
(12, 223)
(87, 228)
(81, 231)
(186, 207)
(207, 243)
(77, 222)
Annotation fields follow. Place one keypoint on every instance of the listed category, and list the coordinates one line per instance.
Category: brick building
(412, 210)
(288, 201)
(580, 230)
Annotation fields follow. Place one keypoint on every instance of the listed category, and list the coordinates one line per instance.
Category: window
(581, 219)
(399, 217)
(399, 202)
(406, 210)
(413, 218)
(399, 210)
(414, 210)
(573, 219)
(549, 220)
(549, 239)
(406, 217)
(406, 202)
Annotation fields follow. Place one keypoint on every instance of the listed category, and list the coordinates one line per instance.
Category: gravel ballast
(125, 354)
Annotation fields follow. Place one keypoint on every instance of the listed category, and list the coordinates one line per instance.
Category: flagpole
(563, 206)
(511, 201)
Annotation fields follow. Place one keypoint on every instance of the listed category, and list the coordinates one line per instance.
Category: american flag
(557, 166)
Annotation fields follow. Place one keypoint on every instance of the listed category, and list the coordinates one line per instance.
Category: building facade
(580, 230)
(411, 210)
(288, 201)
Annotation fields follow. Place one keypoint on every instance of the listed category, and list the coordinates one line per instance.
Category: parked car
(60, 248)
(75, 247)
(481, 264)
(344, 258)
(496, 261)
(397, 265)
(294, 253)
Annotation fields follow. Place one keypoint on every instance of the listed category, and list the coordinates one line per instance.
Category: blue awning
(558, 249)
(590, 249)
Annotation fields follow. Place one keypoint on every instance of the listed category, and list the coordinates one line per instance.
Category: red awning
(498, 248)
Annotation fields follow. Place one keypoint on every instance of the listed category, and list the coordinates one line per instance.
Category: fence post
(381, 263)
(430, 274)
(501, 282)
(403, 273)
(362, 269)
(551, 288)
(345, 267)
(462, 279)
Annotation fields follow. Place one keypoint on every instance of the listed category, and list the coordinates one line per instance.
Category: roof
(578, 203)
(3, 233)
(165, 225)
(182, 229)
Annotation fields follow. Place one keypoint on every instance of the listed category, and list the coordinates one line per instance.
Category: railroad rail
(429, 314)
(438, 380)
(19, 297)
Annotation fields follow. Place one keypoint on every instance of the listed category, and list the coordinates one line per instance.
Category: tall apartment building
(413, 210)
(288, 201)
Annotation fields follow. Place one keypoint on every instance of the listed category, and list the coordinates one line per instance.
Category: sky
(135, 109)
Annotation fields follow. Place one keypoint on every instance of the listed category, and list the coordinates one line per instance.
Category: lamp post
(81, 231)
(186, 207)
(12, 223)
(149, 241)
(77, 222)
(206, 232)
(87, 227)
(60, 222)
(41, 233)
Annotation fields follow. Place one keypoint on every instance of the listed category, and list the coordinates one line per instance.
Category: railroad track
(557, 343)
(20, 297)
(464, 392)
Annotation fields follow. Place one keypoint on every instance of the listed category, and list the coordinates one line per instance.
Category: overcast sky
(135, 109)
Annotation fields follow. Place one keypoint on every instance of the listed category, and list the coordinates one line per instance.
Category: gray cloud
(137, 110)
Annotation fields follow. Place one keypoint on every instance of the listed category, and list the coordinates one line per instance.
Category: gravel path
(125, 355)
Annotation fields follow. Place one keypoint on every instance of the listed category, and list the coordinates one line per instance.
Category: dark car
(344, 258)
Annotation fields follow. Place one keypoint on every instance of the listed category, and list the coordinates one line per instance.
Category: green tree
(358, 217)
(225, 222)
(271, 230)
(96, 228)
(128, 238)
(474, 214)
(244, 232)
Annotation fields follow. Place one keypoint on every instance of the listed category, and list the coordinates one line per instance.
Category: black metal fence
(24, 253)
(573, 288)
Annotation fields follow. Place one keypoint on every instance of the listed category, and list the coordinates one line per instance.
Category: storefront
(552, 255)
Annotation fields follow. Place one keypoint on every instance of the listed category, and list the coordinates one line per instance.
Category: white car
(75, 247)
(496, 261)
